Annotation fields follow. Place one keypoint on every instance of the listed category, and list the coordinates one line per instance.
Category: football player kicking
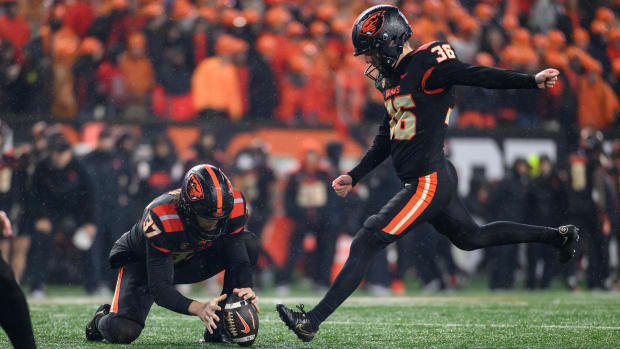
(185, 236)
(417, 89)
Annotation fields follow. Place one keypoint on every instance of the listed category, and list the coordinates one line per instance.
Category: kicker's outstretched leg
(305, 324)
(456, 223)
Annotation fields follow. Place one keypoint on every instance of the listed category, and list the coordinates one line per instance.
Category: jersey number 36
(402, 121)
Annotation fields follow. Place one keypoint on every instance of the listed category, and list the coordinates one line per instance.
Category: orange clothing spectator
(319, 99)
(598, 104)
(137, 68)
(432, 25)
(65, 48)
(14, 28)
(350, 91)
(216, 83)
(79, 17)
(277, 49)
(428, 30)
(112, 82)
(293, 85)
(613, 43)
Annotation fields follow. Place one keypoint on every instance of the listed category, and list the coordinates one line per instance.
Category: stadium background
(141, 90)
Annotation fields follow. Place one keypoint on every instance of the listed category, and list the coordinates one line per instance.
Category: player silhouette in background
(417, 89)
(14, 314)
(184, 236)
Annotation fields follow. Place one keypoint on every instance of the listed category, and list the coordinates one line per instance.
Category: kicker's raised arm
(451, 71)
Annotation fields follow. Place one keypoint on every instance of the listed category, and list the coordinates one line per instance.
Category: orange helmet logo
(373, 24)
(194, 189)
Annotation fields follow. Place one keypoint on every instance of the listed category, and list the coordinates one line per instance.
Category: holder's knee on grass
(119, 330)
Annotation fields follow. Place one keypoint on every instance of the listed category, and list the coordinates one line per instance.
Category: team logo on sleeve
(373, 24)
(194, 189)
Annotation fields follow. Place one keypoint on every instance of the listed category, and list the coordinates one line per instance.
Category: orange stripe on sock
(117, 291)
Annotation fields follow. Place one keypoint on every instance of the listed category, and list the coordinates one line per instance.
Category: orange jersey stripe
(117, 292)
(414, 208)
(237, 210)
(424, 204)
(171, 225)
(165, 250)
(218, 190)
(424, 47)
(164, 210)
(426, 75)
(403, 212)
(238, 230)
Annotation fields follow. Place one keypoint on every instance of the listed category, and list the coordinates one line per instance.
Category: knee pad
(372, 228)
(372, 223)
(119, 330)
(467, 238)
(366, 242)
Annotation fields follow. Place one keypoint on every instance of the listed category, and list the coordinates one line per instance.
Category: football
(240, 320)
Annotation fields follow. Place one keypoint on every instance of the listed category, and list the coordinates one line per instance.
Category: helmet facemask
(191, 220)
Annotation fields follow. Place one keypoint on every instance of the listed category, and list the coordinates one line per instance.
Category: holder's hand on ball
(206, 312)
(248, 294)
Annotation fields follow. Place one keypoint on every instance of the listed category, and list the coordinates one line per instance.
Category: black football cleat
(567, 250)
(219, 335)
(298, 322)
(92, 333)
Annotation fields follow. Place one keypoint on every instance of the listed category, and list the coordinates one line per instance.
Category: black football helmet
(382, 28)
(206, 193)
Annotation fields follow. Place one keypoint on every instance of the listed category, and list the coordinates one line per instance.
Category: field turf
(480, 319)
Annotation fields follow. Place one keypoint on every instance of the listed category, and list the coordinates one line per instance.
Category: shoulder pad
(169, 217)
(425, 46)
(239, 215)
(240, 206)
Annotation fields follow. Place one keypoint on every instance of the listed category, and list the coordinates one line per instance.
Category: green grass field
(466, 319)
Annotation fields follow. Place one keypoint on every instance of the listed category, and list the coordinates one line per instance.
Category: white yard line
(357, 301)
(369, 301)
(427, 324)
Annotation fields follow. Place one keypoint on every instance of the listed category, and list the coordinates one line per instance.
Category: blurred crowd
(291, 61)
(70, 203)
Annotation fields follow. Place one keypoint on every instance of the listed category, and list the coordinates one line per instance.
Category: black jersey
(162, 229)
(418, 100)
(164, 243)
